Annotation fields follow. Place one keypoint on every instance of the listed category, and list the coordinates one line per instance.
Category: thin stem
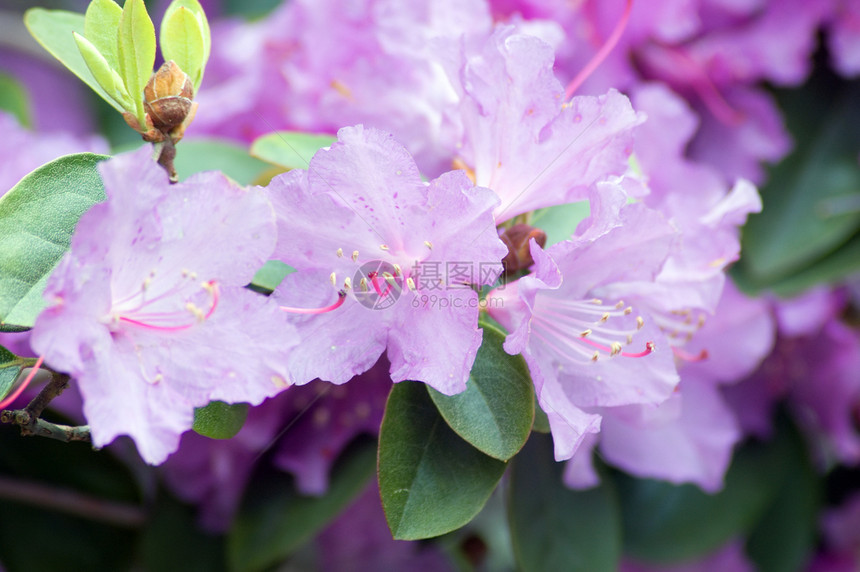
(71, 502)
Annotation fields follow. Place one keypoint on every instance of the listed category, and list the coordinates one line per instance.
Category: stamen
(340, 253)
(397, 270)
(428, 244)
(211, 287)
(601, 54)
(384, 247)
(410, 284)
(341, 296)
(347, 284)
(333, 279)
(363, 284)
(355, 256)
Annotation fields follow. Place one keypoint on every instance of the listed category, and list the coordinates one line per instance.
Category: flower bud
(167, 97)
(517, 239)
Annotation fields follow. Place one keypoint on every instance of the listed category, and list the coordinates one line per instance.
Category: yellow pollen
(341, 88)
(340, 253)
(410, 284)
(363, 284)
(596, 301)
(397, 270)
(629, 339)
(347, 283)
(388, 277)
(604, 317)
(616, 348)
(619, 305)
(195, 311)
(585, 333)
(158, 378)
(185, 273)
(595, 356)
(333, 279)
(428, 244)
(628, 310)
(355, 256)
(279, 382)
(640, 321)
(383, 247)
(146, 283)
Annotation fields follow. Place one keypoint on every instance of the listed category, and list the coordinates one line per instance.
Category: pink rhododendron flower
(387, 259)
(147, 311)
(582, 348)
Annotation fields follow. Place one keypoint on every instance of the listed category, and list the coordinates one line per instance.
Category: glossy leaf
(220, 420)
(53, 30)
(107, 77)
(37, 219)
(136, 51)
(198, 155)
(431, 481)
(665, 523)
(805, 217)
(13, 99)
(101, 23)
(275, 520)
(556, 528)
(182, 41)
(496, 412)
(290, 149)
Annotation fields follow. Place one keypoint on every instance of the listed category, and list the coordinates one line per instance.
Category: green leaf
(101, 23)
(182, 41)
(290, 149)
(803, 219)
(430, 480)
(665, 523)
(107, 77)
(496, 412)
(136, 51)
(556, 528)
(220, 420)
(53, 30)
(785, 537)
(13, 98)
(37, 219)
(270, 276)
(198, 155)
(197, 10)
(10, 367)
(560, 222)
(275, 520)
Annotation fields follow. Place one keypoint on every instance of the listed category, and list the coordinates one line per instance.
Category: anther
(383, 247)
(355, 256)
(347, 284)
(628, 310)
(411, 284)
(428, 244)
(333, 279)
(619, 305)
(596, 301)
(397, 270)
(640, 322)
(340, 253)
(585, 333)
(595, 356)
(363, 285)
(388, 278)
(604, 318)
(615, 349)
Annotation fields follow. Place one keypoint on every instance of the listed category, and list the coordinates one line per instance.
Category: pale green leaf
(136, 51)
(53, 30)
(107, 77)
(182, 42)
(290, 149)
(101, 22)
(13, 99)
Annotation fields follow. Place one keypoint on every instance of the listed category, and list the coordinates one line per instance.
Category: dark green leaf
(10, 367)
(665, 523)
(13, 99)
(805, 216)
(556, 528)
(430, 480)
(270, 276)
(275, 520)
(53, 30)
(290, 149)
(198, 155)
(37, 219)
(496, 411)
(173, 535)
(784, 538)
(220, 420)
